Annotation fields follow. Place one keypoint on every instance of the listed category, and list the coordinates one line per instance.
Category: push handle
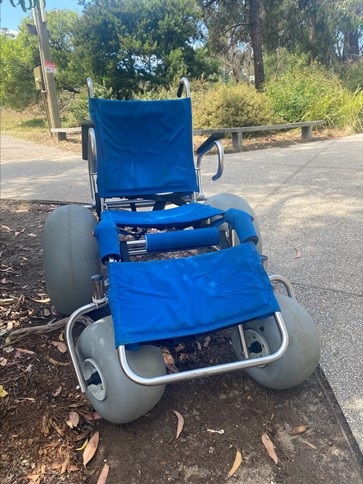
(184, 83)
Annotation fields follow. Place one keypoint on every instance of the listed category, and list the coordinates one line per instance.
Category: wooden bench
(237, 133)
(66, 130)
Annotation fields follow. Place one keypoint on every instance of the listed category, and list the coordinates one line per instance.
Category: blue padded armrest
(107, 235)
(242, 223)
(172, 298)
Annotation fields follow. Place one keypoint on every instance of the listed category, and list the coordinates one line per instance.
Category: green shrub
(74, 107)
(352, 75)
(228, 106)
(311, 93)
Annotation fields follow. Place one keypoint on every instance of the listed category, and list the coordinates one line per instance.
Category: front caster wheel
(111, 393)
(263, 337)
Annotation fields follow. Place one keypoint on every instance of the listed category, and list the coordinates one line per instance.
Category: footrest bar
(213, 370)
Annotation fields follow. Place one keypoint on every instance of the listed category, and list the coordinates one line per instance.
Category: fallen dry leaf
(33, 477)
(221, 432)
(65, 464)
(26, 352)
(297, 253)
(206, 342)
(169, 361)
(3, 361)
(62, 347)
(310, 445)
(41, 301)
(104, 474)
(3, 392)
(91, 448)
(58, 391)
(81, 436)
(73, 419)
(269, 446)
(180, 425)
(45, 425)
(58, 363)
(91, 416)
(299, 430)
(237, 462)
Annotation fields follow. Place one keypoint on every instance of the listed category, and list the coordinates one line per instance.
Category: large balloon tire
(71, 257)
(117, 398)
(224, 201)
(303, 352)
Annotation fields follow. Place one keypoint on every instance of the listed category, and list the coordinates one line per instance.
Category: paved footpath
(308, 199)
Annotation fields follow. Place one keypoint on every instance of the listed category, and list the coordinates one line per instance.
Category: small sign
(31, 29)
(50, 67)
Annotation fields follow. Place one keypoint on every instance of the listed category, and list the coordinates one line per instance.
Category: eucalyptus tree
(329, 31)
(234, 36)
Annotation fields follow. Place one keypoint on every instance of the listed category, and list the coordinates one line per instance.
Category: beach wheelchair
(153, 262)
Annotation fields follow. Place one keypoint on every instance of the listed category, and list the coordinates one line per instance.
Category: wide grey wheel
(224, 201)
(113, 395)
(263, 337)
(71, 257)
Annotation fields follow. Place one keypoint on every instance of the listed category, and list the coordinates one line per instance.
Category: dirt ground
(45, 423)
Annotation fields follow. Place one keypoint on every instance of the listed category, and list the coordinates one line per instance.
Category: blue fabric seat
(172, 298)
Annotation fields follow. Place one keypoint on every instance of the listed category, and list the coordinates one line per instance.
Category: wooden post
(237, 140)
(50, 94)
(307, 133)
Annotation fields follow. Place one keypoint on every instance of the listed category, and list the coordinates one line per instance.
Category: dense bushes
(311, 93)
(227, 106)
(301, 94)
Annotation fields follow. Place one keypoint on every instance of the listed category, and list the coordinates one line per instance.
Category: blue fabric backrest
(143, 147)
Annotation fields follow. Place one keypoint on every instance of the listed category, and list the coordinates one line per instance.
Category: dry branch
(19, 334)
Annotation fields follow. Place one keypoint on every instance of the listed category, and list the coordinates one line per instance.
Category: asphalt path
(308, 199)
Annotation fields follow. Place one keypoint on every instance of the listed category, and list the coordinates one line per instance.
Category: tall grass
(310, 93)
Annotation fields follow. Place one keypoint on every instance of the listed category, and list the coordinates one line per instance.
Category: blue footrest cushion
(172, 298)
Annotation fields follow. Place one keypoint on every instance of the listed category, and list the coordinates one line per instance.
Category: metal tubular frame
(209, 371)
(69, 339)
(138, 247)
(176, 377)
(285, 282)
(220, 151)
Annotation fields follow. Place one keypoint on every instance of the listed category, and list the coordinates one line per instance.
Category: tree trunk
(256, 41)
(351, 46)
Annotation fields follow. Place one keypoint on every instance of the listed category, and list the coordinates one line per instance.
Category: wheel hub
(98, 390)
(256, 344)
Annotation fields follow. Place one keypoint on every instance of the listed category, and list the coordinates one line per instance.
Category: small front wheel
(263, 338)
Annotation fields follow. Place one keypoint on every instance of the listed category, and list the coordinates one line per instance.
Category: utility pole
(50, 96)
